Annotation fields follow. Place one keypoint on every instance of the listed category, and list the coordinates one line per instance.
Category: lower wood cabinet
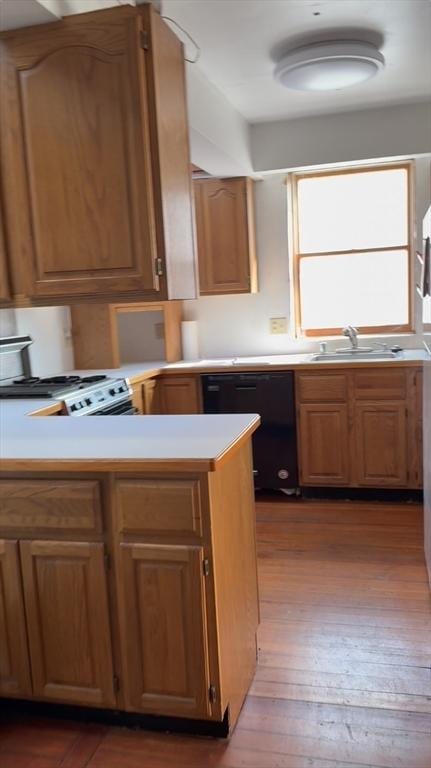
(180, 394)
(381, 443)
(146, 601)
(360, 428)
(68, 622)
(324, 444)
(163, 629)
(15, 677)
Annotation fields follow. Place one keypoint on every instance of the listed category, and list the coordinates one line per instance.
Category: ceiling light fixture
(329, 66)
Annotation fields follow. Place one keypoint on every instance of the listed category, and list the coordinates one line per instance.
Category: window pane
(367, 289)
(353, 211)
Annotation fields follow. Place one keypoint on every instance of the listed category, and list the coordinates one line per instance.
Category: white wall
(239, 325)
(219, 135)
(403, 130)
(7, 322)
(52, 352)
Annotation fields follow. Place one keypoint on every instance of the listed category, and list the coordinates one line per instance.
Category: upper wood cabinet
(225, 235)
(68, 623)
(14, 661)
(4, 279)
(95, 158)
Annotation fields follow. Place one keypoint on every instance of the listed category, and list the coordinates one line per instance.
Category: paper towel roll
(189, 336)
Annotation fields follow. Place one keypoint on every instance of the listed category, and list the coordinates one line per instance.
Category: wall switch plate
(278, 324)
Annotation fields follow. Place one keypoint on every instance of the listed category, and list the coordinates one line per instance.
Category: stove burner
(28, 381)
(93, 379)
(61, 380)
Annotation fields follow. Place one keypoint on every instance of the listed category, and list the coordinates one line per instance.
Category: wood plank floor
(344, 676)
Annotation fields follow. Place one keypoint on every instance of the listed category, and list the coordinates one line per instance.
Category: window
(351, 235)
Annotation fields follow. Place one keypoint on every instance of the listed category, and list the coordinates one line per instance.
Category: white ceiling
(241, 39)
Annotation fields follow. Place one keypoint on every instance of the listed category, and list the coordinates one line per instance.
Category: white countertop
(202, 438)
(407, 356)
(140, 438)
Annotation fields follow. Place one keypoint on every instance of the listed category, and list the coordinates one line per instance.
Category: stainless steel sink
(376, 354)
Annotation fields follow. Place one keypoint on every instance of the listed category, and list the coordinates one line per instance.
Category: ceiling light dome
(329, 66)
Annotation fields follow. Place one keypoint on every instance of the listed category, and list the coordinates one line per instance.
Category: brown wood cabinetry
(67, 621)
(360, 428)
(180, 394)
(95, 158)
(150, 397)
(131, 591)
(324, 444)
(225, 235)
(14, 661)
(380, 431)
(166, 665)
(4, 278)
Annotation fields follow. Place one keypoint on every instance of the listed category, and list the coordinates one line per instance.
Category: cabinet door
(324, 444)
(4, 280)
(381, 443)
(137, 397)
(163, 630)
(67, 619)
(225, 237)
(150, 396)
(14, 661)
(76, 158)
(180, 394)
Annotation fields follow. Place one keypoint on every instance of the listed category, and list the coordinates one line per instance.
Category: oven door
(125, 408)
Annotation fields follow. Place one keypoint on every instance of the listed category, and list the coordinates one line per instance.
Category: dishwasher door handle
(245, 387)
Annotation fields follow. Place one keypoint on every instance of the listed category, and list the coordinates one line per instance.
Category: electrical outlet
(278, 324)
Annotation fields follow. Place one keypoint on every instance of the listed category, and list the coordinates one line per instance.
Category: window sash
(298, 255)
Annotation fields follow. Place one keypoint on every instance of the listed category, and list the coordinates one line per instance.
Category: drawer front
(380, 385)
(321, 388)
(50, 505)
(159, 508)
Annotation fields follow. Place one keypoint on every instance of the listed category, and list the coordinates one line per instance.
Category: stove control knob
(112, 391)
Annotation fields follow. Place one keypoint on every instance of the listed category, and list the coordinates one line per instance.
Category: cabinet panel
(324, 444)
(4, 279)
(180, 394)
(150, 396)
(50, 505)
(67, 619)
(380, 385)
(77, 159)
(163, 630)
(312, 388)
(159, 507)
(225, 235)
(381, 444)
(14, 661)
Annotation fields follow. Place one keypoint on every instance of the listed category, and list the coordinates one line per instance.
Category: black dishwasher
(272, 396)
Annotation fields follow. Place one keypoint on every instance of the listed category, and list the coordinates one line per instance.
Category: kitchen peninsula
(128, 562)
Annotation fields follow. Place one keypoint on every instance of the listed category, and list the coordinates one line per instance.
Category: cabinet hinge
(144, 40)
(159, 267)
(212, 694)
(206, 567)
(116, 683)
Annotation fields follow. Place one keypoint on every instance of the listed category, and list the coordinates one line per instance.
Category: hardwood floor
(344, 676)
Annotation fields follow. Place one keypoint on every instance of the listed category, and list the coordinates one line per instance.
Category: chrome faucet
(352, 335)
